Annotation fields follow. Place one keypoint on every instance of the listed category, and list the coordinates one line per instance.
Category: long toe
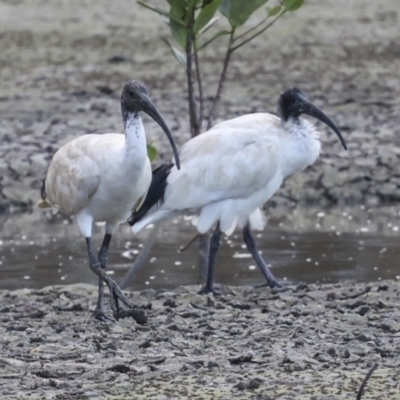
(117, 294)
(133, 311)
(271, 284)
(275, 284)
(100, 315)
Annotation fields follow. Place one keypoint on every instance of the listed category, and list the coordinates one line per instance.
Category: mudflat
(307, 342)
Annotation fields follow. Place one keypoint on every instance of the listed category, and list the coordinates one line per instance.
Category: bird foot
(100, 315)
(272, 284)
(206, 290)
(117, 294)
(133, 311)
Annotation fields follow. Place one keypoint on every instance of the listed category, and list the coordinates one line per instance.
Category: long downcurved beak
(149, 108)
(315, 112)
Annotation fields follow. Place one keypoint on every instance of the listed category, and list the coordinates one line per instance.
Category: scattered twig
(354, 296)
(188, 244)
(364, 382)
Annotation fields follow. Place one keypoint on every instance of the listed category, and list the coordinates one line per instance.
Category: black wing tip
(155, 193)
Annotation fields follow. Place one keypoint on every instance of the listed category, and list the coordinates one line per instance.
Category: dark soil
(308, 342)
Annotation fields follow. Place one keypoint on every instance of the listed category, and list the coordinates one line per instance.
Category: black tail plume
(155, 193)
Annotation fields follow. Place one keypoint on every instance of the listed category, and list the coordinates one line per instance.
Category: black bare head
(135, 98)
(294, 102)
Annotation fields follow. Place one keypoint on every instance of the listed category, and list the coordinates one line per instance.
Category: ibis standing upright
(103, 177)
(231, 170)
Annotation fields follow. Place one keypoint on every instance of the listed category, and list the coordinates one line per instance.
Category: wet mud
(307, 342)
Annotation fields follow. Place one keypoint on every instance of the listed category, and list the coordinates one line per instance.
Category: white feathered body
(103, 177)
(228, 172)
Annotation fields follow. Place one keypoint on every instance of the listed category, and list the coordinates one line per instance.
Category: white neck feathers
(302, 145)
(135, 136)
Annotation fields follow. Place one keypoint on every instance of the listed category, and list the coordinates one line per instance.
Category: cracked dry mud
(308, 342)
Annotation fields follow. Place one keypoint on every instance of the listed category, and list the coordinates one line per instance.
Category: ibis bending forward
(103, 178)
(231, 170)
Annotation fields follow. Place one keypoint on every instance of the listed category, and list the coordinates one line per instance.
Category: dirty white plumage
(103, 178)
(87, 177)
(230, 171)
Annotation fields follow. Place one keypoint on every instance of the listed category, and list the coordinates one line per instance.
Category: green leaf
(179, 33)
(217, 35)
(225, 7)
(177, 21)
(273, 11)
(193, 3)
(239, 11)
(209, 25)
(176, 53)
(292, 5)
(178, 10)
(205, 15)
(151, 152)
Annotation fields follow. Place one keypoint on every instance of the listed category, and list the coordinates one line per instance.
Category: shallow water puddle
(304, 245)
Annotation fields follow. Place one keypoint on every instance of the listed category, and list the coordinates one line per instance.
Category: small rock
(121, 368)
(363, 310)
(245, 358)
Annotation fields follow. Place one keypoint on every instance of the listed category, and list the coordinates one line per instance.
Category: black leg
(214, 246)
(115, 291)
(251, 246)
(204, 252)
(103, 258)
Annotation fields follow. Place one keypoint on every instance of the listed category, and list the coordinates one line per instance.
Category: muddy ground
(309, 342)
(59, 78)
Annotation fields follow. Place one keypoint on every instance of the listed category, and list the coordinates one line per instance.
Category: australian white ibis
(230, 171)
(103, 177)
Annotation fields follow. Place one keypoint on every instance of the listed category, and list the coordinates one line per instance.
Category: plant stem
(200, 86)
(250, 30)
(221, 81)
(258, 33)
(194, 125)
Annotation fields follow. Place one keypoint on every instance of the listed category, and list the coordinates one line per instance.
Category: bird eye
(291, 100)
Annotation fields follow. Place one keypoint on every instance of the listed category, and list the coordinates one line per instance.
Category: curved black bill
(315, 112)
(149, 109)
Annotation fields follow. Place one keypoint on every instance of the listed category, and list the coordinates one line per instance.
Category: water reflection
(305, 245)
